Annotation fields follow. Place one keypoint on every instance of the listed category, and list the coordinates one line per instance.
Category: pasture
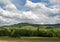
(30, 39)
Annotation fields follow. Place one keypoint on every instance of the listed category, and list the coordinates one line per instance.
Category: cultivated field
(30, 39)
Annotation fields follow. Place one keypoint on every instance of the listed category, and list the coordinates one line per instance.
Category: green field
(30, 39)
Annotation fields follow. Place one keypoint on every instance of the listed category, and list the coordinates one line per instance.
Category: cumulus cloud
(55, 1)
(48, 15)
(38, 12)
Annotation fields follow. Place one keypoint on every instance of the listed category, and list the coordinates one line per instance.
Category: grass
(30, 39)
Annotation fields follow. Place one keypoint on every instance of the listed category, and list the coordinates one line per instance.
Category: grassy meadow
(30, 39)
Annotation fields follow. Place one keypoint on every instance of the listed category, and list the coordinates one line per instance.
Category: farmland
(30, 39)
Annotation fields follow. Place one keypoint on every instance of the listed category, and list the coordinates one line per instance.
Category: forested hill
(33, 25)
(27, 29)
(29, 24)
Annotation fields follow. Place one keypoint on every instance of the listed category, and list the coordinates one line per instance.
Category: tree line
(11, 32)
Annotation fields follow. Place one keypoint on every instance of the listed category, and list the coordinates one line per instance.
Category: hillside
(31, 30)
(20, 25)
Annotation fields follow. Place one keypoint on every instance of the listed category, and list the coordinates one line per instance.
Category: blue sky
(31, 11)
(20, 3)
(35, 1)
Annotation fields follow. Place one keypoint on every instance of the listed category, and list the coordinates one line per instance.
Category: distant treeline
(30, 31)
(34, 25)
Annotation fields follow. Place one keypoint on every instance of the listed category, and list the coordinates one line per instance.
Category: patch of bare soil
(13, 41)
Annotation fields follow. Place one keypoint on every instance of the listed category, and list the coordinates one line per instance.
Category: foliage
(30, 30)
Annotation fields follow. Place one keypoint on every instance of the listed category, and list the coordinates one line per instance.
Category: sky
(29, 11)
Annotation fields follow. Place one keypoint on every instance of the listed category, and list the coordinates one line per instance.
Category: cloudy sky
(30, 11)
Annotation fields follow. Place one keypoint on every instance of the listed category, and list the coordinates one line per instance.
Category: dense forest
(26, 29)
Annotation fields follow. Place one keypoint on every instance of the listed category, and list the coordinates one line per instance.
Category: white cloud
(44, 12)
(38, 13)
(55, 1)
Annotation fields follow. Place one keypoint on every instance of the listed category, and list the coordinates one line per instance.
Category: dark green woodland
(29, 30)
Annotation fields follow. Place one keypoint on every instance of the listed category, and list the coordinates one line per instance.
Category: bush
(25, 32)
(58, 34)
(4, 32)
(15, 33)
